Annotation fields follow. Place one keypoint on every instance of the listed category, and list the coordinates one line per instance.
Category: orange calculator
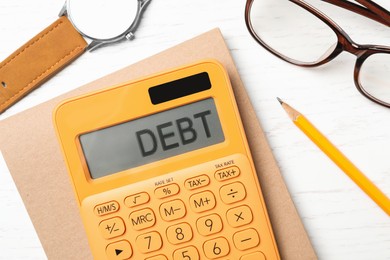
(161, 169)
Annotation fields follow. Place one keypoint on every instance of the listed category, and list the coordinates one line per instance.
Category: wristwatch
(83, 25)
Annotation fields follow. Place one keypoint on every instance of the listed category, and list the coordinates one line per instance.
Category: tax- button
(172, 210)
(142, 219)
(227, 173)
(197, 182)
(136, 199)
(119, 250)
(246, 239)
(239, 216)
(203, 201)
(112, 227)
(232, 192)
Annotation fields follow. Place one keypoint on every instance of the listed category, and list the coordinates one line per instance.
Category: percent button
(167, 191)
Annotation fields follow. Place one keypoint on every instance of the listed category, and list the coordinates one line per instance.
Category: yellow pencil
(338, 158)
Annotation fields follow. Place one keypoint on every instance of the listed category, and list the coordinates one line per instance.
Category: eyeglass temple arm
(371, 9)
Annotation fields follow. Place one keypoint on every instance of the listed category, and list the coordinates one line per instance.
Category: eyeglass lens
(374, 76)
(286, 29)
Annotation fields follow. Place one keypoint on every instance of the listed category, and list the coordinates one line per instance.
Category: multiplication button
(239, 216)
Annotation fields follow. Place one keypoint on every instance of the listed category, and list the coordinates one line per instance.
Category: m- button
(142, 219)
(202, 201)
(172, 210)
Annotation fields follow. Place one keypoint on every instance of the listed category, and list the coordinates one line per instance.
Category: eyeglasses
(282, 26)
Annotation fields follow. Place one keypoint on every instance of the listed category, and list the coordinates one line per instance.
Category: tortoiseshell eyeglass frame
(366, 8)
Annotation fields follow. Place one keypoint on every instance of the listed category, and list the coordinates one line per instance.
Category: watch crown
(130, 36)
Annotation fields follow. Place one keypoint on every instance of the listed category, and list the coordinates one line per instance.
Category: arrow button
(119, 250)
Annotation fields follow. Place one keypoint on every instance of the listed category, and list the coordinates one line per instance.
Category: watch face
(102, 19)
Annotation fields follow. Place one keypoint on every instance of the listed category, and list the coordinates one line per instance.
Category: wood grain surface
(342, 222)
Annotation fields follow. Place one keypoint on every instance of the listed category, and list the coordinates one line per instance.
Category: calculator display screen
(152, 138)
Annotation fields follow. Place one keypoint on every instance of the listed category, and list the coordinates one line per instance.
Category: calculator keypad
(214, 214)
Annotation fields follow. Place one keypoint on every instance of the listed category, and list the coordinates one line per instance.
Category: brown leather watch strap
(37, 60)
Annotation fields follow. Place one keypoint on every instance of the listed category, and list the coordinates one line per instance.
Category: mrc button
(227, 173)
(106, 208)
(142, 219)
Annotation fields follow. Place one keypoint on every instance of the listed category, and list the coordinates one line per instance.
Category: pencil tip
(280, 101)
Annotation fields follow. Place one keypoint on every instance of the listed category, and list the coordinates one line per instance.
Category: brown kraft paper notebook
(33, 156)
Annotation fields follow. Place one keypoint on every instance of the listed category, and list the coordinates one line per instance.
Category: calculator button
(157, 257)
(232, 192)
(209, 225)
(197, 182)
(142, 219)
(172, 210)
(202, 201)
(227, 173)
(167, 191)
(187, 253)
(180, 233)
(216, 248)
(149, 242)
(106, 208)
(119, 250)
(239, 216)
(136, 199)
(113, 227)
(253, 256)
(246, 239)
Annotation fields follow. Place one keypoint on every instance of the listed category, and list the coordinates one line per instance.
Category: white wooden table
(342, 222)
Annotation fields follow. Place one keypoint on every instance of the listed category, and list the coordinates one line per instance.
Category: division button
(111, 228)
(142, 219)
(232, 193)
(119, 250)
